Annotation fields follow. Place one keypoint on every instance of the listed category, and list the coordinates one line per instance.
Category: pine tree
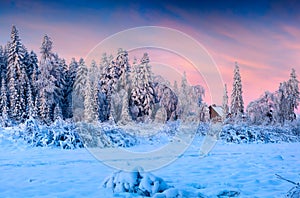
(58, 112)
(15, 77)
(46, 83)
(111, 80)
(23, 90)
(90, 100)
(184, 85)
(134, 73)
(70, 79)
(94, 72)
(184, 98)
(225, 102)
(31, 107)
(36, 110)
(237, 103)
(81, 77)
(103, 63)
(32, 73)
(44, 109)
(175, 87)
(3, 63)
(293, 94)
(125, 115)
(142, 94)
(4, 104)
(60, 73)
(283, 104)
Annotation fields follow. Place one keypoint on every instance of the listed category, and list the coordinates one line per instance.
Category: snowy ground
(246, 168)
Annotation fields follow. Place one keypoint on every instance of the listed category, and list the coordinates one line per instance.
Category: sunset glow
(264, 38)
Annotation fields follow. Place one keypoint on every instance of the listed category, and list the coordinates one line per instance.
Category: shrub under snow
(140, 183)
(104, 135)
(67, 135)
(59, 134)
(259, 134)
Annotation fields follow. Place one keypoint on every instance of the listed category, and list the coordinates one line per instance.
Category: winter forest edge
(42, 99)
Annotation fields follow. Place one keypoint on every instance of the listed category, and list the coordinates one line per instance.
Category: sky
(262, 36)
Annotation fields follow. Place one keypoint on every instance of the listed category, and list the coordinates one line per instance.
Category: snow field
(247, 169)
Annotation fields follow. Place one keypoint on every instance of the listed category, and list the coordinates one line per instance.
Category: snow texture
(139, 182)
(243, 133)
(245, 169)
(104, 135)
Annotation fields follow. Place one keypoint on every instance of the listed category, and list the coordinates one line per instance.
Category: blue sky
(263, 36)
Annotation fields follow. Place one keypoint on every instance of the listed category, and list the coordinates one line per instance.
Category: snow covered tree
(190, 104)
(4, 104)
(94, 73)
(57, 114)
(287, 99)
(111, 83)
(237, 103)
(15, 69)
(184, 85)
(142, 96)
(31, 108)
(175, 87)
(225, 102)
(3, 63)
(46, 83)
(263, 110)
(90, 98)
(69, 83)
(60, 72)
(183, 110)
(32, 71)
(44, 109)
(125, 114)
(293, 95)
(283, 104)
(79, 87)
(103, 63)
(81, 77)
(167, 100)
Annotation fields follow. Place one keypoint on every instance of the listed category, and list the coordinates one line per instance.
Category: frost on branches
(278, 107)
(237, 103)
(142, 96)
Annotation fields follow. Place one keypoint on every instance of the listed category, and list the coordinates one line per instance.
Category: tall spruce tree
(293, 94)
(4, 104)
(16, 76)
(225, 102)
(237, 103)
(46, 82)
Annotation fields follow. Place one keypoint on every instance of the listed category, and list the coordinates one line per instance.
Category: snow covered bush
(140, 183)
(203, 128)
(104, 135)
(65, 135)
(296, 127)
(258, 134)
(59, 134)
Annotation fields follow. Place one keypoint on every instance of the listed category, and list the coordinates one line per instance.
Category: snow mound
(140, 183)
(103, 135)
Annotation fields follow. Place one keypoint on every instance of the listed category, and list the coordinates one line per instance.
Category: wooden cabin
(215, 112)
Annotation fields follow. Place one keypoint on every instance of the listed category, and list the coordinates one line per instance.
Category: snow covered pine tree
(237, 103)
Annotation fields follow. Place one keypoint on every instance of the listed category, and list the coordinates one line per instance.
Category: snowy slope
(248, 169)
